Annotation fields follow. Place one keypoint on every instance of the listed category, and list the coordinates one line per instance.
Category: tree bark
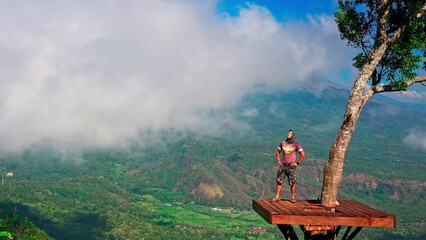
(333, 170)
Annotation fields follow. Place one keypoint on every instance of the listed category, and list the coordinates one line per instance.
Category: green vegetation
(180, 185)
(14, 226)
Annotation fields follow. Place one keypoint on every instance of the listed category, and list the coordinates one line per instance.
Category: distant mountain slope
(106, 187)
(234, 169)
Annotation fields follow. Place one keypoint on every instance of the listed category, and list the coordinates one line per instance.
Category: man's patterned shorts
(286, 170)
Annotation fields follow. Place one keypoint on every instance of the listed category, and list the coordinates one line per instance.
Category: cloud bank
(410, 96)
(416, 139)
(95, 73)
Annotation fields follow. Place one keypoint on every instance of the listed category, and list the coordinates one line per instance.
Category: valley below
(182, 184)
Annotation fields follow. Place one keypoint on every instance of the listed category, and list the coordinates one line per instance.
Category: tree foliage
(365, 24)
(391, 38)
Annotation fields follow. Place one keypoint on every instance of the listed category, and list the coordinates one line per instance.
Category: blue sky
(294, 10)
(283, 10)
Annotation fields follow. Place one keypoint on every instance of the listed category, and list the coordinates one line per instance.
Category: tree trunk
(333, 171)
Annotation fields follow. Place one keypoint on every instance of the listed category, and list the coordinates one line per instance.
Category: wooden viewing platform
(318, 222)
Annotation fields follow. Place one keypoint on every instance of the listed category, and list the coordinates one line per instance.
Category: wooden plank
(268, 208)
(317, 203)
(348, 211)
(345, 212)
(375, 212)
(321, 220)
(364, 211)
(315, 209)
(278, 205)
(388, 222)
(293, 209)
(263, 210)
(283, 212)
(318, 227)
(278, 209)
(311, 210)
(335, 221)
(359, 209)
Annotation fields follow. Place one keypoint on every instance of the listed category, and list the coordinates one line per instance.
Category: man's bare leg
(277, 192)
(293, 193)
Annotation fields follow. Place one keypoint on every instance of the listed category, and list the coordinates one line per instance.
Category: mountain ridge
(118, 191)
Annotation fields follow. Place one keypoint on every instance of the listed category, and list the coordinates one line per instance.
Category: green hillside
(180, 184)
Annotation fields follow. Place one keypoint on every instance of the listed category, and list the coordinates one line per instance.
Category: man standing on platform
(288, 164)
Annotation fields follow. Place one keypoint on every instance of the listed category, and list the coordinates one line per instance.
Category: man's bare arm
(301, 157)
(277, 155)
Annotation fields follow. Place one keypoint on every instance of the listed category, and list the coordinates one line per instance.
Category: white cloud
(250, 112)
(97, 72)
(411, 96)
(416, 139)
(383, 111)
(330, 125)
(416, 95)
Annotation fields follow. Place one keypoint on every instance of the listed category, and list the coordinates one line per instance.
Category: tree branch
(418, 79)
(388, 88)
(389, 40)
(422, 11)
(383, 12)
(395, 35)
